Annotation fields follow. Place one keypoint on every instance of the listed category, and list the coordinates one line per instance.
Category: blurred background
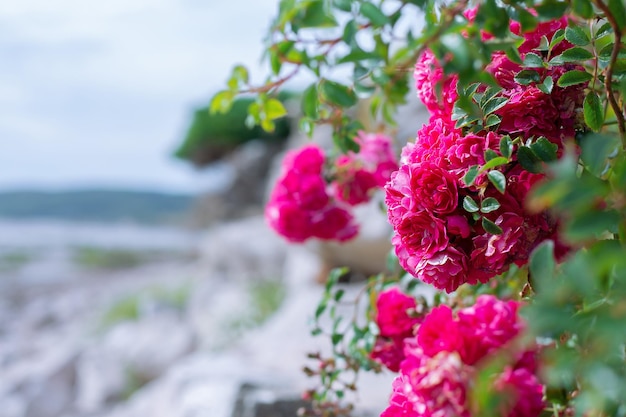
(137, 276)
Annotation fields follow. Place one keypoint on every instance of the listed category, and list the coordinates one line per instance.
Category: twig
(609, 70)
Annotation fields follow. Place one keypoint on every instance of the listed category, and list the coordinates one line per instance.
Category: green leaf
(240, 73)
(526, 19)
(542, 264)
(596, 150)
(489, 204)
(489, 154)
(492, 120)
(321, 308)
(338, 94)
(374, 14)
(592, 110)
(470, 205)
(582, 8)
(618, 10)
(575, 54)
(493, 18)
(506, 146)
(274, 109)
(498, 180)
(546, 86)
(604, 30)
(528, 159)
(315, 15)
(344, 5)
(336, 338)
(513, 54)
(532, 60)
(494, 104)
(551, 9)
(591, 224)
(573, 77)
(526, 77)
(491, 227)
(558, 36)
(310, 102)
(576, 35)
(544, 44)
(495, 162)
(222, 102)
(471, 175)
(544, 149)
(349, 33)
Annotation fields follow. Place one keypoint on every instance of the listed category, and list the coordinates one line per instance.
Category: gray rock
(130, 355)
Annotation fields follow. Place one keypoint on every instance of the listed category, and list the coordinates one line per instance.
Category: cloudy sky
(100, 92)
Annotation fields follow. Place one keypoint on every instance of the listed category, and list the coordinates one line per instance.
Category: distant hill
(96, 206)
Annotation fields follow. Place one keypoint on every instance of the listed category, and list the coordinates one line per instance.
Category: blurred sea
(43, 252)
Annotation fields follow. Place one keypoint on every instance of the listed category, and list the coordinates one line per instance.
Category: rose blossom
(389, 352)
(487, 326)
(436, 90)
(359, 174)
(493, 253)
(306, 160)
(392, 317)
(522, 391)
(422, 233)
(299, 206)
(441, 362)
(445, 270)
(353, 185)
(432, 338)
(438, 387)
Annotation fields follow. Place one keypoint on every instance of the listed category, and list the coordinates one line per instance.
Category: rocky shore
(222, 333)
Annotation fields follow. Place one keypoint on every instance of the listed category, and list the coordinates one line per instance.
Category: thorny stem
(271, 86)
(609, 70)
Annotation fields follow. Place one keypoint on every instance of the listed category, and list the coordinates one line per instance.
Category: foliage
(212, 136)
(515, 189)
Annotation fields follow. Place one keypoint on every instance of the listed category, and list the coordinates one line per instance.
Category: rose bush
(511, 199)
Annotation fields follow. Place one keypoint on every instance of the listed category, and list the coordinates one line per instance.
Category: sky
(100, 93)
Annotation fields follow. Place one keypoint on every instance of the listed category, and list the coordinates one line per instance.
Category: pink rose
(445, 270)
(359, 174)
(457, 225)
(306, 160)
(433, 188)
(438, 388)
(392, 313)
(487, 326)
(353, 186)
(422, 233)
(522, 391)
(439, 332)
(493, 253)
(530, 112)
(432, 142)
(334, 223)
(532, 39)
(436, 90)
(470, 150)
(399, 405)
(389, 352)
(300, 208)
(289, 221)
